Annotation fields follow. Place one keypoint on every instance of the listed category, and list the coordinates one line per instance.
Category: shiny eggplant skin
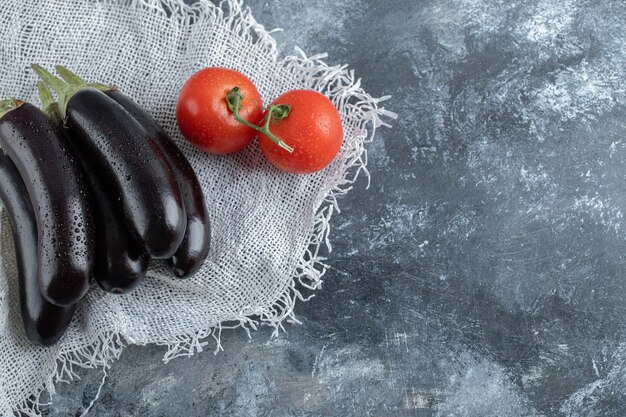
(121, 260)
(138, 176)
(44, 322)
(194, 248)
(60, 198)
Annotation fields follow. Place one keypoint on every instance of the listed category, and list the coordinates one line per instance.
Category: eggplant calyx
(68, 76)
(48, 105)
(8, 105)
(65, 88)
(73, 79)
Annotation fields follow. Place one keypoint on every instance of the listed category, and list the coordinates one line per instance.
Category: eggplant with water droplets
(123, 156)
(44, 322)
(59, 195)
(194, 248)
(121, 260)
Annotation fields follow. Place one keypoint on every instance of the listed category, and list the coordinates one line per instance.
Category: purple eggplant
(194, 248)
(58, 192)
(123, 156)
(44, 322)
(121, 260)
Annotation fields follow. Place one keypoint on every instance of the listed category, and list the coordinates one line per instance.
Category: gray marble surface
(483, 272)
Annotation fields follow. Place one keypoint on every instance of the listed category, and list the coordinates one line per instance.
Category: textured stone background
(482, 274)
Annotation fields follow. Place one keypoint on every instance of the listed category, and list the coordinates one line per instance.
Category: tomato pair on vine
(220, 111)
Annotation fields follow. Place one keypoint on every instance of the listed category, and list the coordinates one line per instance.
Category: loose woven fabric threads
(269, 228)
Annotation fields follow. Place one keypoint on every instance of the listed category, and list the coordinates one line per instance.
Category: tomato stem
(274, 113)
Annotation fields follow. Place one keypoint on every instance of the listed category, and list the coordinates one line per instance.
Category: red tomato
(312, 128)
(203, 114)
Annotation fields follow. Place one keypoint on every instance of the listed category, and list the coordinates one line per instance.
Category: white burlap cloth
(267, 226)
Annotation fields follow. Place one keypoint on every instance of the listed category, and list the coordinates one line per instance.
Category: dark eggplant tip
(116, 290)
(120, 288)
(62, 297)
(48, 332)
(123, 285)
(184, 268)
(178, 266)
(38, 340)
(162, 245)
